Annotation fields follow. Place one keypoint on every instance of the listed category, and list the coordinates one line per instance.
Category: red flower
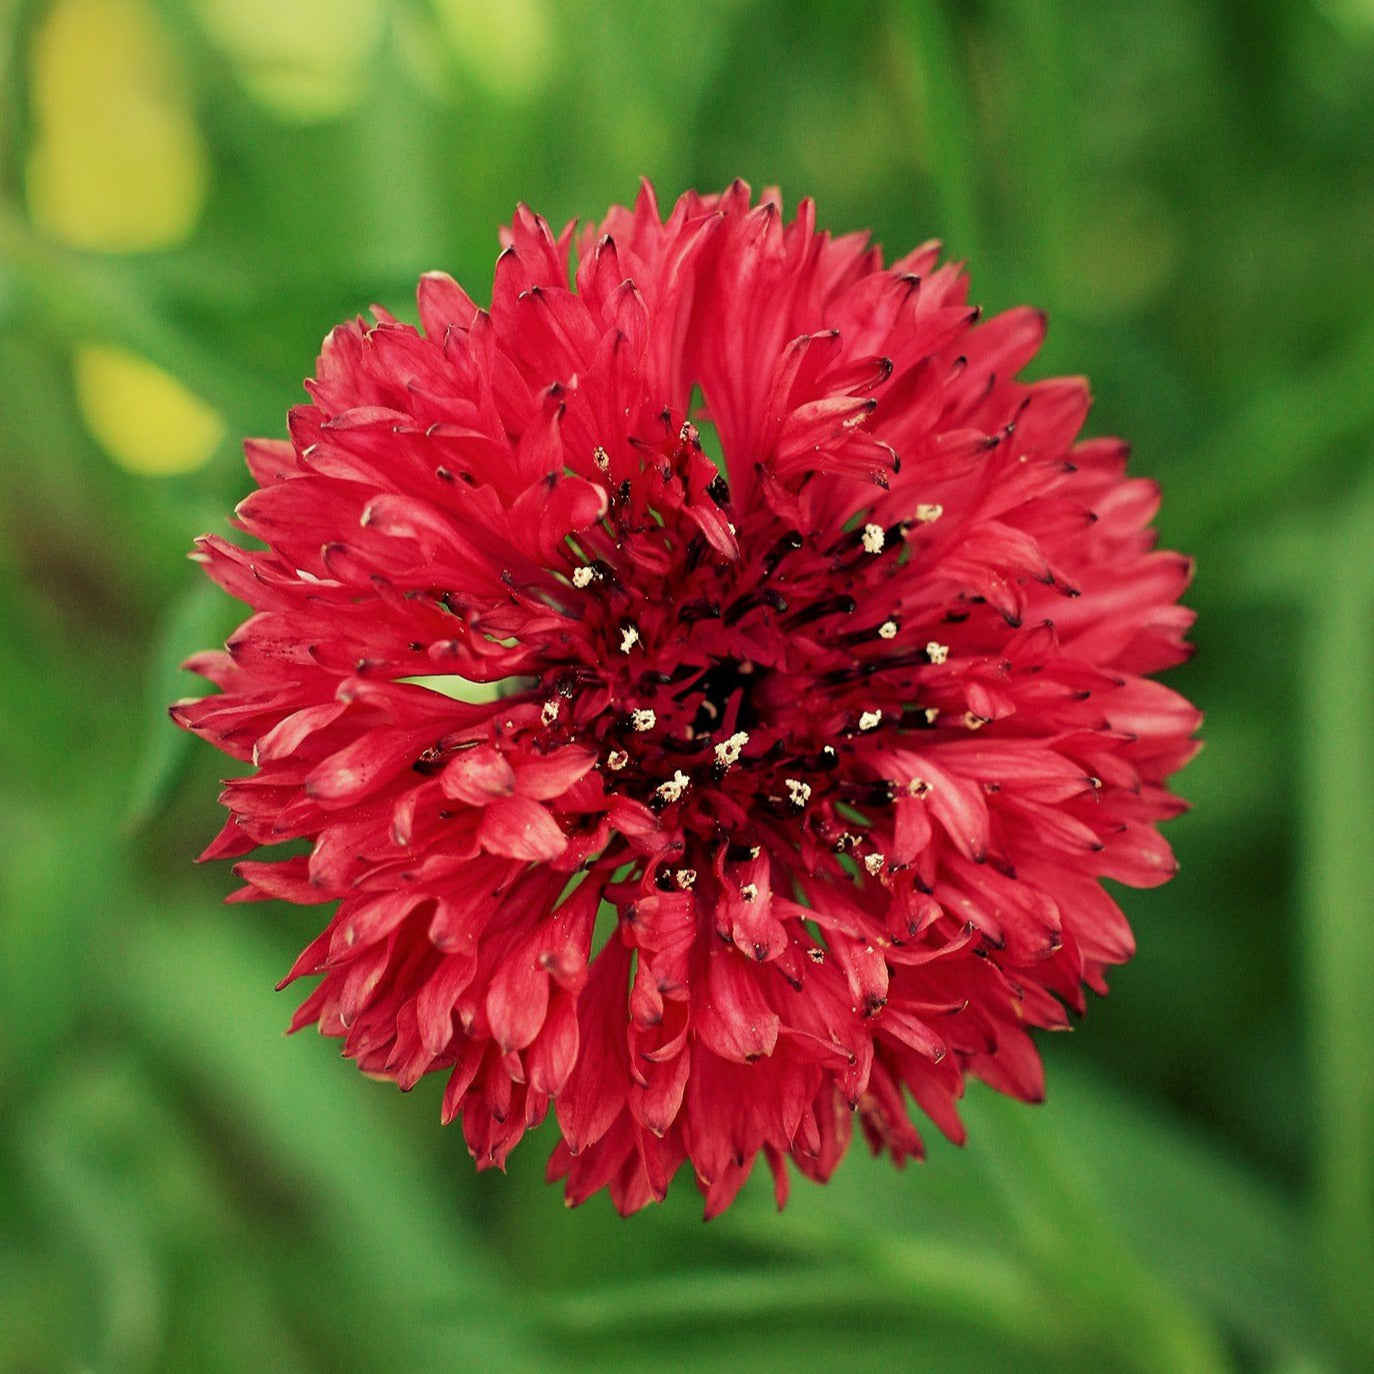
(804, 774)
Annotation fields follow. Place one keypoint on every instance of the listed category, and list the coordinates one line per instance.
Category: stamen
(937, 652)
(584, 576)
(643, 720)
(974, 722)
(887, 630)
(671, 790)
(750, 892)
(918, 787)
(728, 751)
(601, 458)
(870, 720)
(874, 863)
(873, 538)
(927, 515)
(550, 712)
(629, 637)
(798, 792)
(617, 759)
(685, 877)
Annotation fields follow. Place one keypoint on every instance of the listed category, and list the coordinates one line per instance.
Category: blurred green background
(192, 193)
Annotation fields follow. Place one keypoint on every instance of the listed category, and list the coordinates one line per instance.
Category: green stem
(932, 80)
(1337, 810)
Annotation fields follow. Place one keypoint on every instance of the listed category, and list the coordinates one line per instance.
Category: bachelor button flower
(804, 771)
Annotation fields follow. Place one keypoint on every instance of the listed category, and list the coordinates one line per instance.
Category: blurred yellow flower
(141, 416)
(117, 161)
(305, 59)
(506, 48)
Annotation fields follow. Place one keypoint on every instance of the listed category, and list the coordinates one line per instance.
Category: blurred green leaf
(201, 995)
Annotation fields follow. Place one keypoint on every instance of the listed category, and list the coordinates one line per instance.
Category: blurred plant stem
(930, 73)
(1337, 810)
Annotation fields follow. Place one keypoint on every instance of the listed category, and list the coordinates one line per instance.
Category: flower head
(804, 768)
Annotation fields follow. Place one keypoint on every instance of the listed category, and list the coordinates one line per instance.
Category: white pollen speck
(750, 892)
(870, 720)
(671, 790)
(629, 637)
(918, 787)
(583, 577)
(617, 759)
(974, 722)
(728, 751)
(685, 877)
(874, 863)
(873, 538)
(927, 515)
(754, 851)
(550, 712)
(798, 792)
(932, 714)
(887, 630)
(643, 720)
(601, 458)
(937, 652)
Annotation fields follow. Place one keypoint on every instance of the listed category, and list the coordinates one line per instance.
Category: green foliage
(1186, 187)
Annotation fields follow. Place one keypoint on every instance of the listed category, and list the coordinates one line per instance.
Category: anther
(887, 630)
(874, 863)
(798, 792)
(870, 720)
(685, 877)
(550, 712)
(750, 892)
(671, 790)
(937, 652)
(584, 576)
(629, 637)
(873, 538)
(617, 759)
(928, 514)
(728, 751)
(644, 719)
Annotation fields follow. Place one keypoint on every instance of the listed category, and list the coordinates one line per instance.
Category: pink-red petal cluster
(795, 777)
